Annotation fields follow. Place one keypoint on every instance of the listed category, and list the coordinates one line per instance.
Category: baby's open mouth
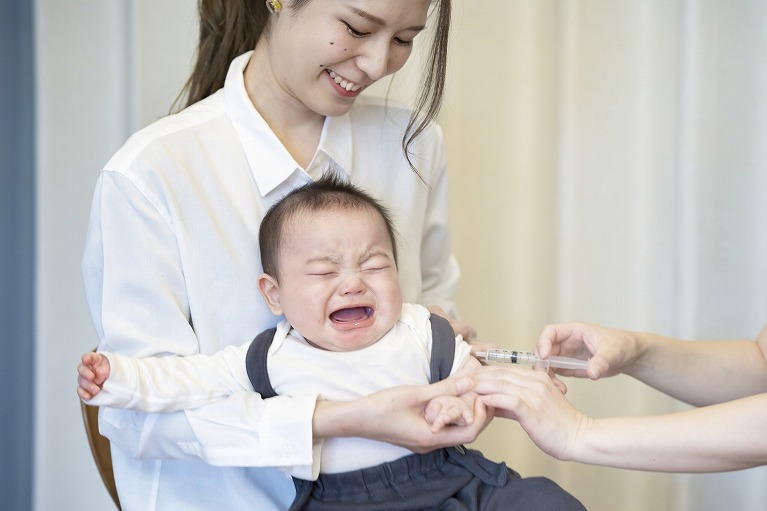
(351, 314)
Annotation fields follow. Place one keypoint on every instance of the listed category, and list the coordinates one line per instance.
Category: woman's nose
(374, 60)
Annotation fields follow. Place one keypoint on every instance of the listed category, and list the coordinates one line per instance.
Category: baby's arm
(92, 371)
(163, 384)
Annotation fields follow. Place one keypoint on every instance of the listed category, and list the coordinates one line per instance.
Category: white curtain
(608, 164)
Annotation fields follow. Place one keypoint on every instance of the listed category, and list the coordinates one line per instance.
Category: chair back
(100, 449)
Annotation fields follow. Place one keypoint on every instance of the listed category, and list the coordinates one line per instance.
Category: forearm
(724, 437)
(700, 372)
(173, 383)
(359, 418)
(339, 419)
(396, 416)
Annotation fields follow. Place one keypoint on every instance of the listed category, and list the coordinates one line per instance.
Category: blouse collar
(269, 161)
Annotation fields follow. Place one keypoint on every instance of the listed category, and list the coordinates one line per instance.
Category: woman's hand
(532, 399)
(449, 410)
(397, 416)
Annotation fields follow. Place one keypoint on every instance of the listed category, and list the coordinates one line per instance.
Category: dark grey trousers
(455, 479)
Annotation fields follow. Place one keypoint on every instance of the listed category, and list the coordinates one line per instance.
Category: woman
(171, 258)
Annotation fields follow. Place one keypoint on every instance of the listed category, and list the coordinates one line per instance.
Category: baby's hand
(92, 372)
(450, 411)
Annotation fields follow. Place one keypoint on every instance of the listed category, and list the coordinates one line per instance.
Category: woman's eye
(354, 32)
(402, 42)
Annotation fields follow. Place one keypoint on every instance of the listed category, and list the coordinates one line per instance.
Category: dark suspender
(442, 355)
(442, 348)
(255, 363)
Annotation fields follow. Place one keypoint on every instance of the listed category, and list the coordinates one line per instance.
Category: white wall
(89, 101)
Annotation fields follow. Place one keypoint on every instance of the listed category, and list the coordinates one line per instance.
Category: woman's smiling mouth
(343, 82)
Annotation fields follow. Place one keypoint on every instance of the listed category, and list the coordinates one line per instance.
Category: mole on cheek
(332, 43)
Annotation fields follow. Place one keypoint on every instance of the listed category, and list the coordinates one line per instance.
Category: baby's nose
(352, 284)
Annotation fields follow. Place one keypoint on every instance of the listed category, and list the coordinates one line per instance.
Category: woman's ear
(270, 290)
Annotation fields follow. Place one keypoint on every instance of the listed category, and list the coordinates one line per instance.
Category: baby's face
(338, 279)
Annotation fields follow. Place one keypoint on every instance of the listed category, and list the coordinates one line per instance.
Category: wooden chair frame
(100, 449)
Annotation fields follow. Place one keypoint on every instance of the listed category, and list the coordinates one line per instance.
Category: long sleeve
(138, 265)
(173, 383)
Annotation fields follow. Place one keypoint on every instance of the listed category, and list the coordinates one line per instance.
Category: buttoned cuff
(245, 430)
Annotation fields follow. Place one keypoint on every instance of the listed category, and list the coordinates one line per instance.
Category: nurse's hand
(610, 351)
(531, 398)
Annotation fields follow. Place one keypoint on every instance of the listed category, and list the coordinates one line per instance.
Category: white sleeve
(139, 306)
(462, 354)
(173, 383)
(439, 268)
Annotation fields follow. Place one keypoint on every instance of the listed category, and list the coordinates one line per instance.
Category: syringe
(530, 359)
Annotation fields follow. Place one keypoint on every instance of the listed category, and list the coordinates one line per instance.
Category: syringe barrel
(515, 357)
(530, 359)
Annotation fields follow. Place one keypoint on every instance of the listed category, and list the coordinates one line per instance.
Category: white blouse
(170, 267)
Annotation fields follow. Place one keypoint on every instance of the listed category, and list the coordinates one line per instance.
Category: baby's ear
(270, 290)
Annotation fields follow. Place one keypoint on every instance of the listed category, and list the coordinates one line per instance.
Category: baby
(329, 258)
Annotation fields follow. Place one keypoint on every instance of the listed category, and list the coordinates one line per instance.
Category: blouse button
(288, 451)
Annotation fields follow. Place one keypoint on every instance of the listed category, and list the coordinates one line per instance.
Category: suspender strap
(442, 355)
(255, 363)
(442, 348)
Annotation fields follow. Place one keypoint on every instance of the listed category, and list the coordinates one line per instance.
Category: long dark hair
(229, 28)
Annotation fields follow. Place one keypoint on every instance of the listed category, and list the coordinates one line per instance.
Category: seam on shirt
(151, 199)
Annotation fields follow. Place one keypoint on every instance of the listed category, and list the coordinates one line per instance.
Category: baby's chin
(346, 337)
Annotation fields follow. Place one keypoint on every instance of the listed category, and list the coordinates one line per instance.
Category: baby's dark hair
(330, 191)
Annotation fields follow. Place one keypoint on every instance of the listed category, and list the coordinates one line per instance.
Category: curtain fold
(608, 165)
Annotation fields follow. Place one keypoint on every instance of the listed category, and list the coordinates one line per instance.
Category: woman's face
(326, 53)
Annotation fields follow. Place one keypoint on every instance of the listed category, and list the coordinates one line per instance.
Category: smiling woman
(365, 40)
(172, 259)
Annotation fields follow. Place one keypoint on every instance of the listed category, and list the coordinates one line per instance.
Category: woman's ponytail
(228, 28)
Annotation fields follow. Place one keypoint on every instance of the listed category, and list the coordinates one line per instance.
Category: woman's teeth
(349, 86)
